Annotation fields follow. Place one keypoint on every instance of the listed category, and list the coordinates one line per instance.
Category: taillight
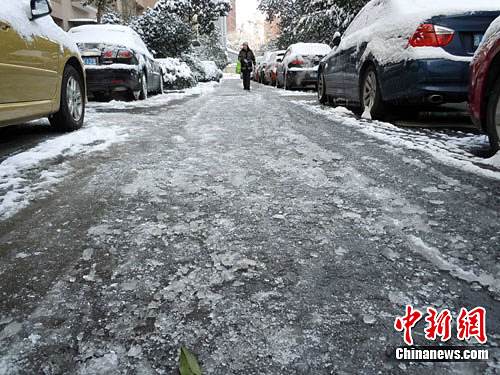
(429, 35)
(108, 54)
(125, 54)
(297, 62)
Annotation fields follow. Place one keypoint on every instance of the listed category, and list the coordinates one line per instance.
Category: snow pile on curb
(157, 100)
(176, 74)
(25, 176)
(204, 71)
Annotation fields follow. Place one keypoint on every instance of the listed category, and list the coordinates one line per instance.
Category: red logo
(438, 325)
(407, 322)
(470, 324)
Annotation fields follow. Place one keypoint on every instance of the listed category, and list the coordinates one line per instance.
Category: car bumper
(109, 81)
(302, 77)
(426, 81)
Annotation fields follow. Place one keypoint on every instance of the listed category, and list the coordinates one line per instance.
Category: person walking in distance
(247, 60)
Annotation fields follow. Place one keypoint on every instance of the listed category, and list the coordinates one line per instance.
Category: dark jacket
(247, 59)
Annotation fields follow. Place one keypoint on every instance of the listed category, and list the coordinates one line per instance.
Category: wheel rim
(370, 90)
(74, 99)
(321, 87)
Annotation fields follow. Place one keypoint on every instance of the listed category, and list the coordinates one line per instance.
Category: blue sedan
(405, 54)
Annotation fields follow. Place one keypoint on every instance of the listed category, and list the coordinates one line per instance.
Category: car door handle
(4, 26)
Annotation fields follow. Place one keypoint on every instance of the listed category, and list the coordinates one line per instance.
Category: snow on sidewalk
(29, 174)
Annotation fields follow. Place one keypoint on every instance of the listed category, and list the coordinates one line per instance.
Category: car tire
(71, 113)
(322, 96)
(493, 117)
(143, 94)
(370, 95)
(162, 88)
(285, 81)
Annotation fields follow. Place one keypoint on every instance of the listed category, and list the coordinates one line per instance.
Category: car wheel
(143, 95)
(322, 97)
(493, 117)
(285, 81)
(371, 98)
(72, 110)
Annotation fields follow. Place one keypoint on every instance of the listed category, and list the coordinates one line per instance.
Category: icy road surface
(265, 233)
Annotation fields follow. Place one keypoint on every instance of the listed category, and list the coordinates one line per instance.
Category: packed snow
(18, 15)
(445, 148)
(26, 176)
(157, 100)
(31, 175)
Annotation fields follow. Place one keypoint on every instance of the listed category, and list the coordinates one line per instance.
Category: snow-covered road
(266, 233)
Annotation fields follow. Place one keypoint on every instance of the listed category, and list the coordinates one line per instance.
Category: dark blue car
(405, 53)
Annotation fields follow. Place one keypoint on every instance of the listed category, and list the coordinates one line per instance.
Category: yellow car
(41, 71)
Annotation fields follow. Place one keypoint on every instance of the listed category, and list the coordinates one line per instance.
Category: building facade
(71, 13)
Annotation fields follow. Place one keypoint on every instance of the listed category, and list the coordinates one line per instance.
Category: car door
(28, 63)
(333, 74)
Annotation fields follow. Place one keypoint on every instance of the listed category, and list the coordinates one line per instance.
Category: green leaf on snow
(188, 364)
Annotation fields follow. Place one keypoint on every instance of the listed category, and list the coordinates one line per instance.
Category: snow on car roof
(309, 49)
(443, 7)
(109, 34)
(18, 15)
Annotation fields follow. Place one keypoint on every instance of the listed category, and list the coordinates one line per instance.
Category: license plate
(90, 60)
(478, 38)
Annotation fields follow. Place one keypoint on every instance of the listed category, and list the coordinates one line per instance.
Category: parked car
(484, 95)
(259, 71)
(41, 72)
(117, 62)
(405, 53)
(255, 74)
(271, 70)
(299, 67)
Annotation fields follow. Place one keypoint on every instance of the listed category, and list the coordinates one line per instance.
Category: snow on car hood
(18, 15)
(109, 34)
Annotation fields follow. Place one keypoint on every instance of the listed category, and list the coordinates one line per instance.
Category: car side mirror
(40, 8)
(337, 37)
